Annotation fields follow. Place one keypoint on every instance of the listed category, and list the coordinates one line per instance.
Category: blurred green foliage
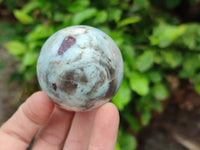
(154, 44)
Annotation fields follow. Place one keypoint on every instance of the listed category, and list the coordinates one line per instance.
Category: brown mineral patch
(97, 48)
(88, 104)
(67, 84)
(83, 78)
(111, 76)
(112, 89)
(110, 71)
(69, 87)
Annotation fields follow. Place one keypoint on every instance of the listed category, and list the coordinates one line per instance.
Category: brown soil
(178, 128)
(8, 92)
(12, 94)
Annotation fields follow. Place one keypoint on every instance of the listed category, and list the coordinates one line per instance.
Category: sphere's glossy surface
(80, 68)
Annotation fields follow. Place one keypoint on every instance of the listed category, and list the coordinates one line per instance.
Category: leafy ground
(178, 128)
(8, 93)
(159, 41)
(11, 93)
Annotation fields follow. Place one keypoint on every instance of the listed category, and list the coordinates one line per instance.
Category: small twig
(189, 144)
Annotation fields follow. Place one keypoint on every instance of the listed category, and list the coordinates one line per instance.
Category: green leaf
(126, 140)
(145, 118)
(127, 70)
(142, 3)
(154, 76)
(172, 58)
(197, 88)
(172, 3)
(139, 83)
(2, 64)
(84, 15)
(160, 91)
(123, 96)
(8, 31)
(164, 34)
(30, 58)
(144, 103)
(145, 61)
(29, 61)
(190, 40)
(133, 122)
(30, 73)
(196, 78)
(128, 53)
(192, 1)
(39, 32)
(114, 14)
(30, 6)
(23, 17)
(128, 21)
(147, 104)
(100, 17)
(16, 48)
(78, 5)
(191, 63)
(117, 36)
(157, 106)
(117, 146)
(114, 2)
(58, 16)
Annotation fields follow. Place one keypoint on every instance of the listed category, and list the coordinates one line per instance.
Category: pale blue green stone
(93, 58)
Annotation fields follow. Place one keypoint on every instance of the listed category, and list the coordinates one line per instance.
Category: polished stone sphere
(80, 68)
